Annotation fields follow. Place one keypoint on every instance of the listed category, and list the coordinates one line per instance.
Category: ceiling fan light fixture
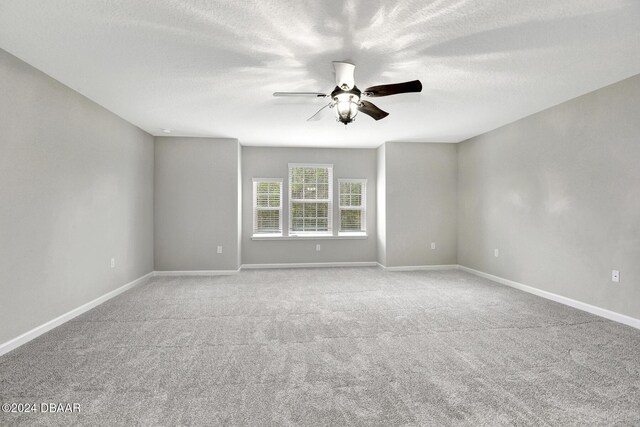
(346, 98)
(346, 106)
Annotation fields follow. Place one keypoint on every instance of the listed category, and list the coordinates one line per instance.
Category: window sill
(340, 236)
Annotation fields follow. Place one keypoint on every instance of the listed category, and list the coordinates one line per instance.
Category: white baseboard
(602, 312)
(45, 327)
(310, 265)
(196, 273)
(419, 267)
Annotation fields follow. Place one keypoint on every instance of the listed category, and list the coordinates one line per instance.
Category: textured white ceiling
(209, 67)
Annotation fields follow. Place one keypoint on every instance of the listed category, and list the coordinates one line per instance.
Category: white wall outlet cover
(615, 276)
(433, 245)
(496, 253)
(113, 263)
(318, 248)
(219, 249)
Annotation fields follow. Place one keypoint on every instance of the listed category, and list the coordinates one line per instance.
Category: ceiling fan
(346, 98)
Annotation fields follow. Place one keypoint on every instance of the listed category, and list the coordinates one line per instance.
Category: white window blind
(310, 198)
(267, 206)
(353, 202)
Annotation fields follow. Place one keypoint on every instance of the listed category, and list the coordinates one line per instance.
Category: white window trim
(362, 208)
(256, 208)
(292, 235)
(341, 236)
(310, 165)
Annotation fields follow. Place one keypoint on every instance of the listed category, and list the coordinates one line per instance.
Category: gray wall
(239, 207)
(263, 162)
(76, 189)
(196, 203)
(421, 185)
(381, 204)
(558, 193)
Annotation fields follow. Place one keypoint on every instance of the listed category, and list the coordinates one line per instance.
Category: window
(310, 199)
(267, 206)
(353, 202)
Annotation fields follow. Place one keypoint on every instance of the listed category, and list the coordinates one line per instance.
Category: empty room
(320, 213)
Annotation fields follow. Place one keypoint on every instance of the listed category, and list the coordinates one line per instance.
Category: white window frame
(329, 231)
(256, 208)
(362, 208)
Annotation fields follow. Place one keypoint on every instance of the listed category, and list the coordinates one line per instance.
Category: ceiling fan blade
(369, 109)
(317, 116)
(308, 94)
(344, 74)
(393, 89)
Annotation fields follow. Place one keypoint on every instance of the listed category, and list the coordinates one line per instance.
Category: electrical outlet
(317, 248)
(496, 253)
(615, 276)
(113, 263)
(433, 245)
(219, 249)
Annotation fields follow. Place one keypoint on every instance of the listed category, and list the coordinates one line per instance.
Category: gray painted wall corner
(381, 198)
(558, 193)
(76, 184)
(196, 203)
(421, 203)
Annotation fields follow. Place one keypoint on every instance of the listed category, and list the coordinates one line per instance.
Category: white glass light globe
(346, 106)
